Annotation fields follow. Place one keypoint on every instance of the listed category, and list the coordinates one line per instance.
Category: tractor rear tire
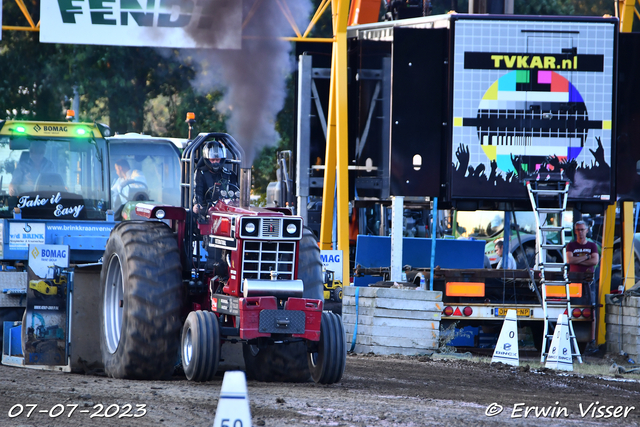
(328, 363)
(310, 266)
(141, 298)
(201, 346)
(288, 362)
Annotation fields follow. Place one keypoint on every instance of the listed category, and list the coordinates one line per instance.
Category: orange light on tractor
(448, 311)
(191, 120)
(576, 312)
(465, 289)
(70, 114)
(587, 313)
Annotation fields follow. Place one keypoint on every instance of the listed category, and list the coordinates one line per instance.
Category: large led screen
(532, 100)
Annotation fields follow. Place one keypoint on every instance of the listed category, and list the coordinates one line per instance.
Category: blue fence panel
(375, 252)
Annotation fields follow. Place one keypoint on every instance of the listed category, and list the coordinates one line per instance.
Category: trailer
(466, 110)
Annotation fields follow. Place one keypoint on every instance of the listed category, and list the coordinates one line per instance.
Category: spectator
(511, 262)
(582, 255)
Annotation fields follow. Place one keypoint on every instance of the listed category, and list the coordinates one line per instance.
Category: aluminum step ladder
(549, 202)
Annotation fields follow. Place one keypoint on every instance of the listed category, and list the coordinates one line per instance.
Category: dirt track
(375, 391)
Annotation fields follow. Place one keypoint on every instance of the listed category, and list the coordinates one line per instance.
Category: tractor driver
(129, 182)
(213, 177)
(29, 167)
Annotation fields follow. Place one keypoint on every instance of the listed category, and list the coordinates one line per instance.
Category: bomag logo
(149, 13)
(55, 128)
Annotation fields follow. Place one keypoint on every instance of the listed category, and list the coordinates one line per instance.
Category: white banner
(43, 257)
(22, 234)
(155, 23)
(332, 260)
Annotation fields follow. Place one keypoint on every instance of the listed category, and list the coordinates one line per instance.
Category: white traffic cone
(507, 347)
(233, 405)
(560, 355)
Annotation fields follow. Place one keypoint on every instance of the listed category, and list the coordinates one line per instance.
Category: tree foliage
(116, 85)
(544, 7)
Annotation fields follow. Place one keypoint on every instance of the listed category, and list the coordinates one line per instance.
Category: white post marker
(507, 347)
(560, 354)
(233, 405)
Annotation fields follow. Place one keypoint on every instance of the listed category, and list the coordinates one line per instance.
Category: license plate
(521, 312)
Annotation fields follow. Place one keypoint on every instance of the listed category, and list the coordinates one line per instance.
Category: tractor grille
(261, 258)
(271, 227)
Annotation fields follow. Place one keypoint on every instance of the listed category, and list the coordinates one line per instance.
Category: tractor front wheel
(200, 346)
(328, 362)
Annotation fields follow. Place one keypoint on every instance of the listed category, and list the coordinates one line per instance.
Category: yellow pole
(336, 162)
(605, 270)
(340, 45)
(628, 261)
(627, 12)
(25, 12)
(328, 189)
(321, 8)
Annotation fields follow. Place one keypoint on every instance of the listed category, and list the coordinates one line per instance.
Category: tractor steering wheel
(135, 188)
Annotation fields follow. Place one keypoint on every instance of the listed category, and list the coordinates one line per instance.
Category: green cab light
(81, 131)
(21, 129)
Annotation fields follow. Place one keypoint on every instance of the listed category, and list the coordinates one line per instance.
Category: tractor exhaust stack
(245, 187)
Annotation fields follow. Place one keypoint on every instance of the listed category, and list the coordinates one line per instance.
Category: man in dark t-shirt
(582, 255)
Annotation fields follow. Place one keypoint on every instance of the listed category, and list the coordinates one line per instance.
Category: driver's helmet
(214, 154)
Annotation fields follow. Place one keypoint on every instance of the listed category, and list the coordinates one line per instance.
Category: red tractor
(235, 274)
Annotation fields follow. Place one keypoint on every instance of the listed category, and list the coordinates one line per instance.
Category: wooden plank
(386, 331)
(405, 294)
(385, 351)
(390, 321)
(386, 312)
(396, 304)
(396, 342)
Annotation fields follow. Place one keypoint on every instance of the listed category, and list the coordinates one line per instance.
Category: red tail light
(448, 311)
(586, 313)
(576, 312)
(467, 311)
